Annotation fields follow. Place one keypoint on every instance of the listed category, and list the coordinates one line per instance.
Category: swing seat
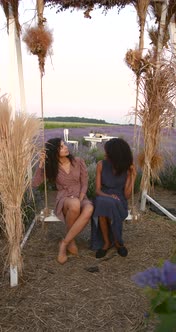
(51, 218)
(48, 217)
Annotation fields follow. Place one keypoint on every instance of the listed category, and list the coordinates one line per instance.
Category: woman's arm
(99, 192)
(131, 177)
(98, 178)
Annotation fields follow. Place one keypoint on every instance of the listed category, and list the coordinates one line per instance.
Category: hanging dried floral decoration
(39, 40)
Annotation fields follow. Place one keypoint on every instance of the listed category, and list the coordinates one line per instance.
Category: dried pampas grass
(18, 150)
(136, 62)
(13, 4)
(158, 90)
(156, 163)
(141, 8)
(133, 60)
(153, 35)
(39, 40)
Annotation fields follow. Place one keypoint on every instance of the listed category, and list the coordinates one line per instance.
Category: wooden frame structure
(15, 53)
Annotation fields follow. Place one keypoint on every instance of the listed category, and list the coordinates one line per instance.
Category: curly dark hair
(119, 154)
(52, 147)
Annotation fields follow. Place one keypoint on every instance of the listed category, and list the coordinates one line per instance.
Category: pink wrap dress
(67, 184)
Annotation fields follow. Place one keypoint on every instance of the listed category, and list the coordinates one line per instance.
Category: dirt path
(85, 294)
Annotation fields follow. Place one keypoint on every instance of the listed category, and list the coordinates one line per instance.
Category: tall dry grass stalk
(158, 90)
(8, 7)
(141, 7)
(18, 150)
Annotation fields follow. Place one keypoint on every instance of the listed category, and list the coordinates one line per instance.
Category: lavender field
(87, 294)
(167, 144)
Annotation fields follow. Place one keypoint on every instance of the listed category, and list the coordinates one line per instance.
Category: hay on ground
(85, 294)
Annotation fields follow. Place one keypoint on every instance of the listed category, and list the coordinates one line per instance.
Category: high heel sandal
(62, 259)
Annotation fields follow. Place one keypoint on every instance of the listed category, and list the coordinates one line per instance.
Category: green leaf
(167, 323)
(159, 300)
(171, 304)
(161, 308)
(168, 306)
(161, 262)
(173, 258)
(150, 292)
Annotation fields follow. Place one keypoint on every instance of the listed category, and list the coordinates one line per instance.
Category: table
(94, 140)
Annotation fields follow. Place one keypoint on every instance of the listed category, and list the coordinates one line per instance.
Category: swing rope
(41, 20)
(135, 145)
(47, 215)
(43, 143)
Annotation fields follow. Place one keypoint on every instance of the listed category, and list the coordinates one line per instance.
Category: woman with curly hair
(115, 177)
(71, 179)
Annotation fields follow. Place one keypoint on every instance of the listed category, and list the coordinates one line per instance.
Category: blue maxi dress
(115, 210)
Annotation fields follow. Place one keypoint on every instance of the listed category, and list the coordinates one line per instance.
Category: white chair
(75, 143)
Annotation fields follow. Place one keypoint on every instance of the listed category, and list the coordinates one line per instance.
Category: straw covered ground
(85, 294)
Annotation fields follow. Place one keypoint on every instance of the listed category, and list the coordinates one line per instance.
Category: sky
(86, 75)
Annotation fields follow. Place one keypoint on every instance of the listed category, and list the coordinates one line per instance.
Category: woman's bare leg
(71, 211)
(80, 223)
(76, 228)
(103, 222)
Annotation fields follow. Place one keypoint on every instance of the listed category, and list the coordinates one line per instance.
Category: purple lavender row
(167, 146)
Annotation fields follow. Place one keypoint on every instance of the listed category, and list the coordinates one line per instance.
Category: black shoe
(122, 251)
(101, 253)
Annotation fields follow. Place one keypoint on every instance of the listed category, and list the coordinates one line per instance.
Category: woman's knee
(88, 210)
(74, 205)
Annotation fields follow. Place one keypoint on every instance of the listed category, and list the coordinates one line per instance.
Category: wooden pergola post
(164, 9)
(12, 56)
(159, 52)
(172, 33)
(15, 61)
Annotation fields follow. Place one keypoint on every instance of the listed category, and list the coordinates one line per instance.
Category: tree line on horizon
(74, 119)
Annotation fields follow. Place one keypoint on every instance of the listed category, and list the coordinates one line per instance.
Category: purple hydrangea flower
(168, 275)
(150, 277)
(154, 277)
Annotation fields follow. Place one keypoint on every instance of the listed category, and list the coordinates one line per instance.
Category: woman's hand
(129, 185)
(81, 197)
(115, 197)
(42, 158)
(133, 171)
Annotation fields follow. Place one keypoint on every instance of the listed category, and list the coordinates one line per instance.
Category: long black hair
(52, 148)
(118, 152)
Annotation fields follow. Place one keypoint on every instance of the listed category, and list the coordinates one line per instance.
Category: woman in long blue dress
(115, 176)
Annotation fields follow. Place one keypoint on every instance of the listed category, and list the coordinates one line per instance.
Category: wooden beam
(161, 31)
